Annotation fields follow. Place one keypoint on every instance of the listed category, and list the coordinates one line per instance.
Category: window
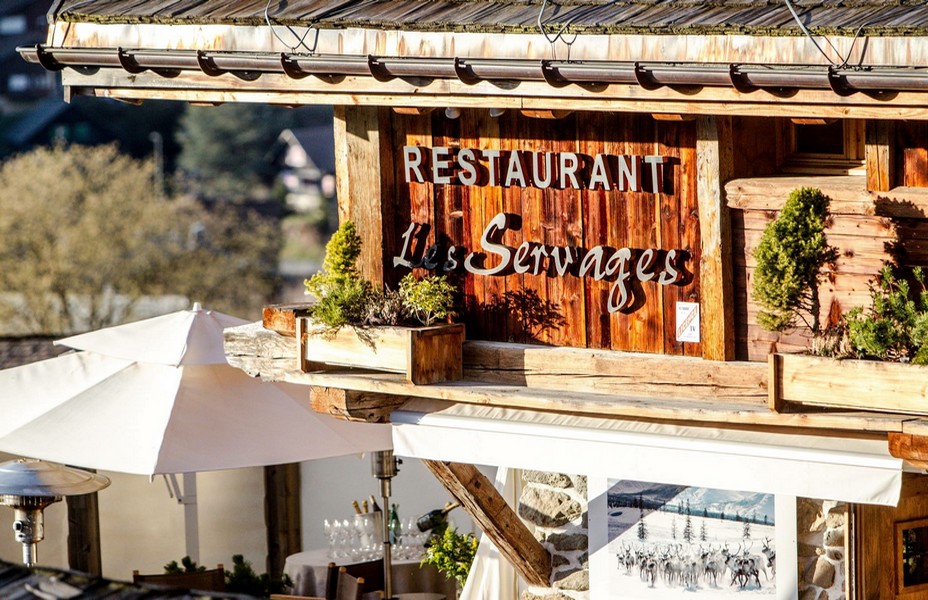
(912, 556)
(824, 146)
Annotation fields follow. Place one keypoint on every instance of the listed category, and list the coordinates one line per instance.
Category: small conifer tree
(342, 295)
(790, 258)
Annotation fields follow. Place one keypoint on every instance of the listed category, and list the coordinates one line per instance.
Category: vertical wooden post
(714, 167)
(282, 515)
(879, 156)
(364, 172)
(84, 534)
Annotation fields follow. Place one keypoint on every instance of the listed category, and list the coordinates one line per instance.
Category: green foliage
(790, 258)
(896, 326)
(341, 261)
(186, 562)
(427, 299)
(86, 235)
(452, 554)
(225, 147)
(242, 579)
(344, 298)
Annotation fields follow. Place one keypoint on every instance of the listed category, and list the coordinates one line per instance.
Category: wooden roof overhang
(685, 72)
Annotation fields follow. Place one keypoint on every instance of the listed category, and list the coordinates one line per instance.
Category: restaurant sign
(624, 267)
(519, 168)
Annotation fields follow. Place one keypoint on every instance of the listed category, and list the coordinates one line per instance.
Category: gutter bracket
(128, 62)
(464, 73)
(207, 65)
(46, 59)
(838, 83)
(738, 80)
(644, 78)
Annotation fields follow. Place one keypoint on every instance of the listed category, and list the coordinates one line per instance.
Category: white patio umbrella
(157, 397)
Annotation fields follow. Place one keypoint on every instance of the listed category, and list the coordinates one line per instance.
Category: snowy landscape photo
(673, 541)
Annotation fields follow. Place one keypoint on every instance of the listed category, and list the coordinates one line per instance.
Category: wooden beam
(281, 318)
(879, 153)
(282, 510)
(84, 534)
(911, 448)
(496, 519)
(545, 114)
(774, 388)
(673, 117)
(359, 93)
(413, 110)
(847, 193)
(351, 405)
(714, 165)
(364, 173)
(261, 352)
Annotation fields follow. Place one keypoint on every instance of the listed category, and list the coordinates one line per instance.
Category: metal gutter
(649, 75)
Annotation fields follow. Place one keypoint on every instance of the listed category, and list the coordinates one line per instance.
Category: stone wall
(822, 549)
(556, 504)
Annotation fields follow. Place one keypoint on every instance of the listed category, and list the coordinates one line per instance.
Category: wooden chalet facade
(595, 176)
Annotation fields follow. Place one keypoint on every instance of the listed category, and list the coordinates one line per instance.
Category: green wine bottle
(394, 526)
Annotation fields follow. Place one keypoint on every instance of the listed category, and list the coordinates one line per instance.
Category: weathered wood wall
(878, 549)
(869, 230)
(568, 311)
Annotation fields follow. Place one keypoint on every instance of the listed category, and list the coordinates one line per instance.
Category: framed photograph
(664, 541)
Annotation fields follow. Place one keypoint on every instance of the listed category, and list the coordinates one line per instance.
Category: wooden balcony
(574, 381)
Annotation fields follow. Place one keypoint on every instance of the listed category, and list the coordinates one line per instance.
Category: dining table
(307, 572)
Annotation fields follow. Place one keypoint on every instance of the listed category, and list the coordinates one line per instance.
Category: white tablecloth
(307, 571)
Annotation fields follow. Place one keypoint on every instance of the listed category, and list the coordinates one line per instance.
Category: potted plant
(452, 554)
(352, 324)
(790, 261)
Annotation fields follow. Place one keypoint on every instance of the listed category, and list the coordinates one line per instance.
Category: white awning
(833, 468)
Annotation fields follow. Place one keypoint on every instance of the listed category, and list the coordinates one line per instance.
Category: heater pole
(385, 466)
(385, 492)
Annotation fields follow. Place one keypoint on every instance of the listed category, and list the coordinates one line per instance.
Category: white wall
(142, 528)
(329, 486)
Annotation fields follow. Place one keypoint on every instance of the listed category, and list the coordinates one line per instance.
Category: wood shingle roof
(759, 17)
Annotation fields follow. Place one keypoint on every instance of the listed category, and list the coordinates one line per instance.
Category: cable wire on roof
(805, 30)
(301, 40)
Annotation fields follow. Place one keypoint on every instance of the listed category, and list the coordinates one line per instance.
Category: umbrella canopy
(157, 397)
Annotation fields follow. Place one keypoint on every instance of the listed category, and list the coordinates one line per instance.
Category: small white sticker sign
(688, 322)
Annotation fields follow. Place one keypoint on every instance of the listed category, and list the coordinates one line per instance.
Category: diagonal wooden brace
(501, 524)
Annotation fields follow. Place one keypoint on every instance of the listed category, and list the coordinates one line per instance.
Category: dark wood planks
(542, 308)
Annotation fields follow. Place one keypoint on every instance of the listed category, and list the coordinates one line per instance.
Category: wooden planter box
(855, 384)
(423, 354)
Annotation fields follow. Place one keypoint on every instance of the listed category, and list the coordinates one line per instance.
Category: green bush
(427, 299)
(790, 258)
(452, 554)
(189, 566)
(896, 326)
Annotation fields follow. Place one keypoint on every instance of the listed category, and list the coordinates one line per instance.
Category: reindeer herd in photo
(694, 566)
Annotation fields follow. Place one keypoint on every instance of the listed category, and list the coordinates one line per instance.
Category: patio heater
(385, 466)
(28, 486)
